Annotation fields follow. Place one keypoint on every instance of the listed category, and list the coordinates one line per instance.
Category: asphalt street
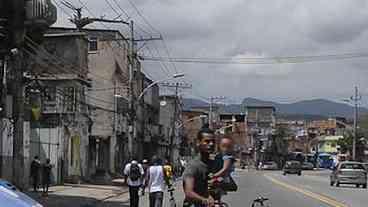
(309, 190)
(318, 183)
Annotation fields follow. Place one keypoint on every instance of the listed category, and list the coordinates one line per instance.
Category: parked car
(307, 166)
(349, 173)
(10, 196)
(292, 167)
(270, 165)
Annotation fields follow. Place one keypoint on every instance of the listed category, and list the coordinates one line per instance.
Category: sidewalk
(82, 195)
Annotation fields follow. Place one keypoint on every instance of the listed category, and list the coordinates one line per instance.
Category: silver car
(270, 165)
(349, 173)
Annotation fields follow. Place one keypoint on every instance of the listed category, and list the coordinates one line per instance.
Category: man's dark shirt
(198, 170)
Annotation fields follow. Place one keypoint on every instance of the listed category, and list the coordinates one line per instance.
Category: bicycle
(261, 201)
(172, 201)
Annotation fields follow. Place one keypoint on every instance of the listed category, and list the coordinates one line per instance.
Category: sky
(251, 28)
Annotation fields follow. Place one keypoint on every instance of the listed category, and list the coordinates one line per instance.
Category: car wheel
(332, 183)
(284, 173)
(337, 184)
(299, 173)
(364, 185)
(357, 185)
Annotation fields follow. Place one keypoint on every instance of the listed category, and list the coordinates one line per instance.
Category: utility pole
(132, 110)
(177, 86)
(81, 21)
(213, 99)
(356, 98)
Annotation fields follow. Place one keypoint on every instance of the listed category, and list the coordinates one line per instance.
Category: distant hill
(308, 109)
(193, 103)
(320, 107)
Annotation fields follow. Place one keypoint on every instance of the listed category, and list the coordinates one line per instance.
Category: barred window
(69, 99)
(93, 44)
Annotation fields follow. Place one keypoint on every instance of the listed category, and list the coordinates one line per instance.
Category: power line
(154, 30)
(122, 10)
(265, 60)
(163, 67)
(62, 9)
(143, 17)
(36, 47)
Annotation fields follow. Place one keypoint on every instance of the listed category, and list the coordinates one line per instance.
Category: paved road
(254, 184)
(309, 190)
(318, 183)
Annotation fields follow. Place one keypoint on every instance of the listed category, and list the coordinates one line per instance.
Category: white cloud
(237, 28)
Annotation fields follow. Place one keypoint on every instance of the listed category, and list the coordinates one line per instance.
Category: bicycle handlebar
(260, 200)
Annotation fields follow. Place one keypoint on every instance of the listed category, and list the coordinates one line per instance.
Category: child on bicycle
(224, 166)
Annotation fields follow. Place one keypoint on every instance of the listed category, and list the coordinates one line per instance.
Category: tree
(279, 145)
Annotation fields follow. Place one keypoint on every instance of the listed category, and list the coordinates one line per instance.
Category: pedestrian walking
(168, 169)
(145, 165)
(46, 176)
(35, 172)
(156, 181)
(134, 172)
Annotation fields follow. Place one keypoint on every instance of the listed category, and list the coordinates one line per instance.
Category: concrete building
(170, 118)
(192, 122)
(234, 126)
(149, 121)
(260, 122)
(108, 100)
(58, 113)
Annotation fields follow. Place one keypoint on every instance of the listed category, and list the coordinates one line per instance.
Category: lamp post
(145, 90)
(175, 76)
(192, 119)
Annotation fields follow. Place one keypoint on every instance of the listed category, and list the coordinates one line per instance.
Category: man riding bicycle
(195, 176)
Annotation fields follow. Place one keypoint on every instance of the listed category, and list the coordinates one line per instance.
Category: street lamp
(192, 119)
(175, 76)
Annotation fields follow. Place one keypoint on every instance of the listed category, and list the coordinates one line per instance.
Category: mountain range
(309, 109)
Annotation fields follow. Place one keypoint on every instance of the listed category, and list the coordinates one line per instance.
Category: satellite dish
(163, 103)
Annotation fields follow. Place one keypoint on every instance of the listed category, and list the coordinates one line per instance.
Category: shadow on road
(75, 201)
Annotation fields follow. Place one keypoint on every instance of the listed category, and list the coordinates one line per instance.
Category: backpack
(134, 172)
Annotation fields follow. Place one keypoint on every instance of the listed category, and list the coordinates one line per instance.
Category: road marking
(310, 194)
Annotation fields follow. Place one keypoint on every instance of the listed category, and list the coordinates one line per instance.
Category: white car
(11, 197)
(270, 165)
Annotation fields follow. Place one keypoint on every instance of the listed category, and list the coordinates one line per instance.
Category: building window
(50, 94)
(93, 45)
(69, 99)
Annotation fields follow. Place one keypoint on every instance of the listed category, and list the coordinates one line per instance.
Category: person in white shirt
(156, 182)
(134, 172)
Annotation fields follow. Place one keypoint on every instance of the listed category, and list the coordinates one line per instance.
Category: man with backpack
(134, 172)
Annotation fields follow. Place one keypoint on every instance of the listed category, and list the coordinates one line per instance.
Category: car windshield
(352, 166)
(117, 103)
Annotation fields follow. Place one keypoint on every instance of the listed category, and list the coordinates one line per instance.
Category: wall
(108, 70)
(6, 150)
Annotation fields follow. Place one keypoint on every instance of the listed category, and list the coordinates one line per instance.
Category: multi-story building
(170, 114)
(151, 131)
(57, 107)
(260, 122)
(192, 122)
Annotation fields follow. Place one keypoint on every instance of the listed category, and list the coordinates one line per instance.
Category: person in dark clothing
(134, 172)
(46, 176)
(35, 171)
(195, 176)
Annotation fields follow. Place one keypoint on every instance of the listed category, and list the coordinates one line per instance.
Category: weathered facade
(150, 121)
(108, 72)
(192, 122)
(169, 117)
(58, 115)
